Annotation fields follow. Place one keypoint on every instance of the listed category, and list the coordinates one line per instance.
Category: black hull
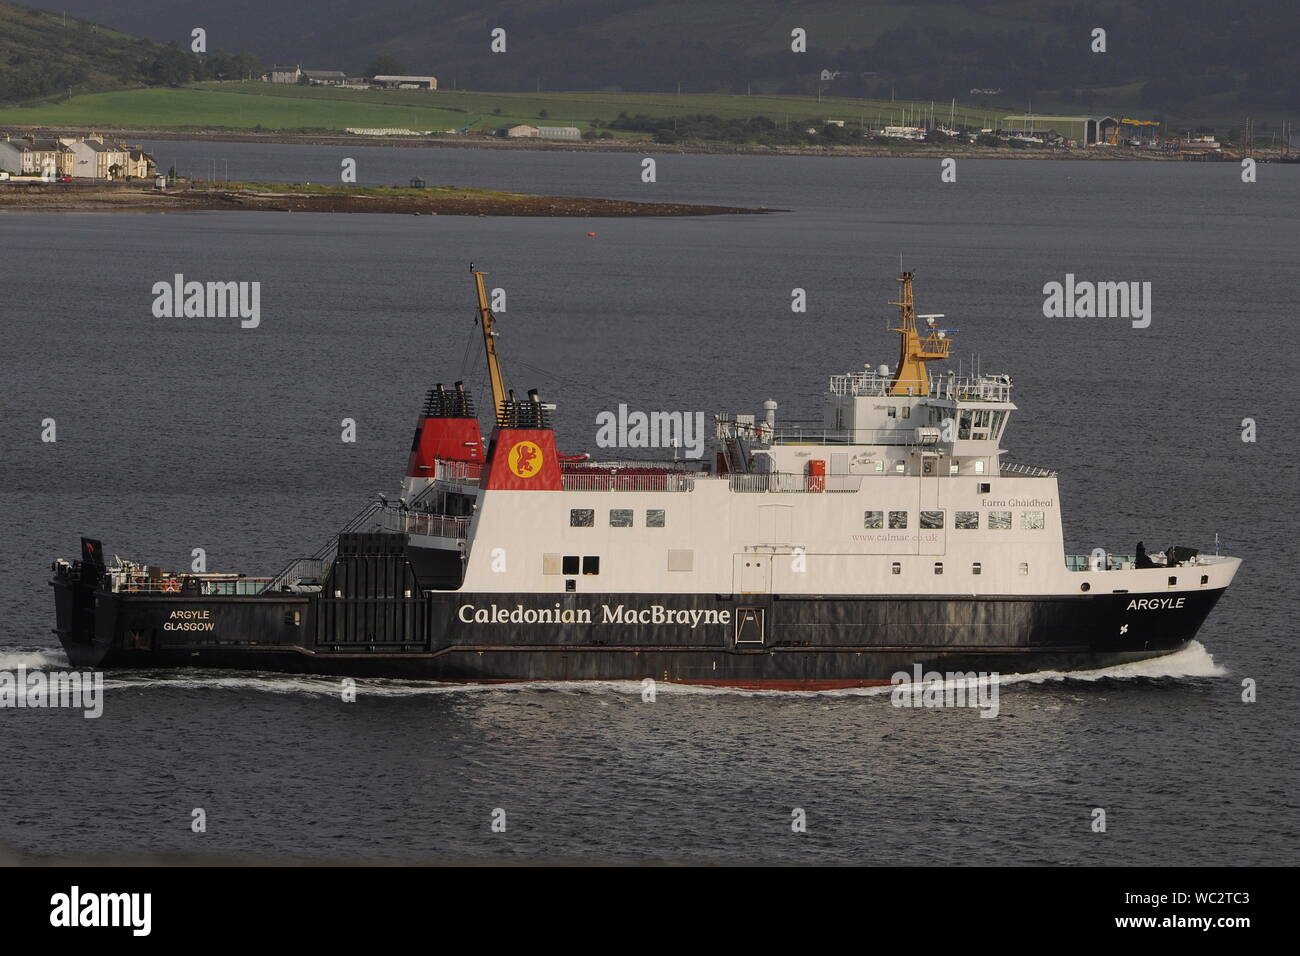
(774, 641)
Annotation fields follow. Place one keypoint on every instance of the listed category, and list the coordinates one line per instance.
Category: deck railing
(781, 483)
(417, 522)
(968, 388)
(460, 472)
(668, 481)
(1083, 562)
(1027, 471)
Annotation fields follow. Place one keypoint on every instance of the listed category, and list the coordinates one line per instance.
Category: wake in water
(33, 659)
(1192, 662)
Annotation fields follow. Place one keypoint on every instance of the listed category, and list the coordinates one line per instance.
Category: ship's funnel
(448, 430)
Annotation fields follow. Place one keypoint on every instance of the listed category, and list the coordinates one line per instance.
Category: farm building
(405, 82)
(559, 132)
(325, 77)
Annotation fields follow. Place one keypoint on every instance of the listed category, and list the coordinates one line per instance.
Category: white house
(95, 159)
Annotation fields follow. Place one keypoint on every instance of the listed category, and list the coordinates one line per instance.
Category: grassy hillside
(44, 53)
(1162, 56)
(281, 107)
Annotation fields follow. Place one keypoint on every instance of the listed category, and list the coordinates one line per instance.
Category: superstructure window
(967, 520)
(591, 565)
(938, 567)
(1031, 521)
(900, 466)
(907, 411)
(880, 465)
(1024, 567)
(582, 518)
(979, 466)
(570, 564)
(896, 568)
(976, 568)
(963, 425)
(654, 517)
(999, 520)
(931, 520)
(620, 517)
(873, 519)
(897, 520)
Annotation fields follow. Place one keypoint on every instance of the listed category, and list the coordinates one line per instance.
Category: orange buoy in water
(591, 235)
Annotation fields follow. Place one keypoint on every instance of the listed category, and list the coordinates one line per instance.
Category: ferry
(891, 535)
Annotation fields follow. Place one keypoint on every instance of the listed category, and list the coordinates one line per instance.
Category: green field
(254, 105)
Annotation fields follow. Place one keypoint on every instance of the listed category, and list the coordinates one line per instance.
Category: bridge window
(968, 520)
(930, 520)
(963, 425)
(873, 519)
(654, 517)
(620, 517)
(591, 565)
(999, 520)
(897, 520)
(582, 518)
(1031, 521)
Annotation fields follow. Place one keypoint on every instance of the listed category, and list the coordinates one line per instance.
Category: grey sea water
(175, 434)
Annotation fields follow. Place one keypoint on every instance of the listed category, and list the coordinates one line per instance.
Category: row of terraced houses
(81, 157)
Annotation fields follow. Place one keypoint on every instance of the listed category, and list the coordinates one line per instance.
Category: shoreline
(258, 197)
(476, 141)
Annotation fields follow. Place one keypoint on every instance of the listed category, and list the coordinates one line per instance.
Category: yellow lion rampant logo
(525, 459)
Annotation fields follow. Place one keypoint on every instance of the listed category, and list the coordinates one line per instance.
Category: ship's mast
(910, 377)
(487, 320)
